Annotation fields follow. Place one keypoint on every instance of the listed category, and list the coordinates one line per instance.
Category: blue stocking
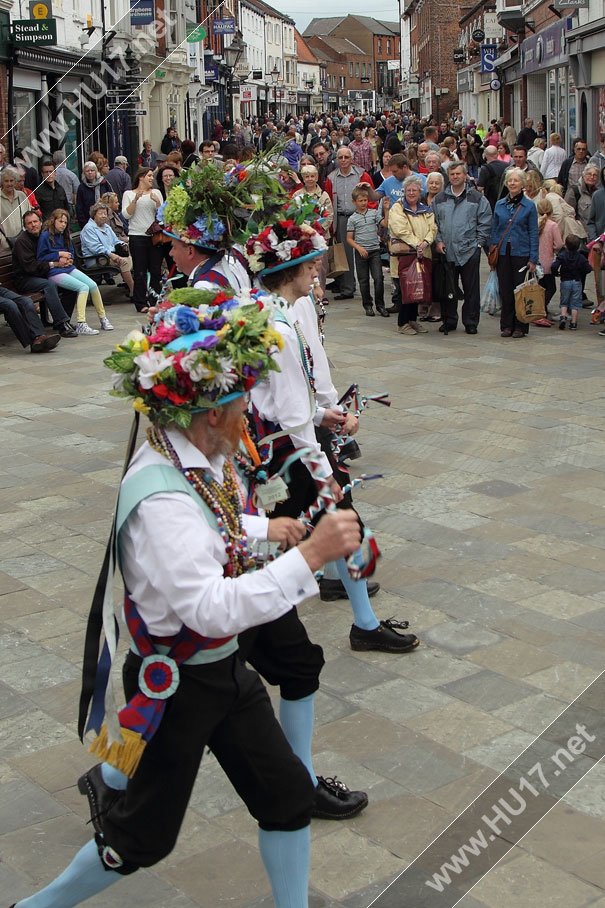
(85, 877)
(331, 571)
(286, 856)
(357, 591)
(113, 777)
(296, 718)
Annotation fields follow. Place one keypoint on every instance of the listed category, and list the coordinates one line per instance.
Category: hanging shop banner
(489, 52)
(544, 50)
(223, 26)
(142, 12)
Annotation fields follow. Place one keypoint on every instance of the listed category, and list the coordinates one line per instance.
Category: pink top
(550, 243)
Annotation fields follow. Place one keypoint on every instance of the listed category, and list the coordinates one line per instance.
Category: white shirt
(326, 394)
(286, 398)
(232, 270)
(144, 214)
(551, 162)
(172, 562)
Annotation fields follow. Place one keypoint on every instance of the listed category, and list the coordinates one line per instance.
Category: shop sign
(393, 64)
(478, 35)
(493, 31)
(142, 12)
(40, 10)
(223, 26)
(211, 72)
(332, 99)
(571, 4)
(545, 49)
(34, 31)
(195, 33)
(459, 55)
(210, 100)
(489, 52)
(465, 80)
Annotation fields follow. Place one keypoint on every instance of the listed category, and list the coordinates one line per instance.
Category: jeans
(571, 295)
(370, 265)
(469, 273)
(145, 258)
(21, 315)
(31, 284)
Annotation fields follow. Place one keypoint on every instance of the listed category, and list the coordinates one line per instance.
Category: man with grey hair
(117, 177)
(65, 177)
(464, 222)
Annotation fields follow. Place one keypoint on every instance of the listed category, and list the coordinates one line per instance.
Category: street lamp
(232, 55)
(275, 74)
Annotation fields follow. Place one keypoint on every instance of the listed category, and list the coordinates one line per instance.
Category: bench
(94, 268)
(68, 297)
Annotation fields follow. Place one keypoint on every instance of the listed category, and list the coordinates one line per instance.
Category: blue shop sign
(545, 49)
(489, 52)
(223, 26)
(142, 12)
(211, 72)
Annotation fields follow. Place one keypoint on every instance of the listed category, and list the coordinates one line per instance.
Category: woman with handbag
(97, 238)
(140, 205)
(514, 247)
(412, 231)
(56, 248)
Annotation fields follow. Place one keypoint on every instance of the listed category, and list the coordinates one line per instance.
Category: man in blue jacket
(464, 219)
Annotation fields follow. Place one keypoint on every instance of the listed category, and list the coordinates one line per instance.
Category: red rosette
(158, 677)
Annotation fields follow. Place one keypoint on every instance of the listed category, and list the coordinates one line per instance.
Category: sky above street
(302, 11)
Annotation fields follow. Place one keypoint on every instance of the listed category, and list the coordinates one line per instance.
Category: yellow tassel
(124, 755)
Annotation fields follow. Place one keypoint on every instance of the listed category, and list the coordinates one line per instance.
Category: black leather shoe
(393, 309)
(67, 330)
(385, 639)
(447, 328)
(100, 796)
(334, 801)
(368, 309)
(470, 329)
(331, 590)
(382, 311)
(344, 296)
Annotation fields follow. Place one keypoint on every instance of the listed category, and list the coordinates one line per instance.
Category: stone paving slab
(490, 515)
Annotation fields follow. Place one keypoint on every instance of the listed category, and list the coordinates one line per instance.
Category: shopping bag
(337, 260)
(415, 281)
(529, 302)
(444, 281)
(490, 298)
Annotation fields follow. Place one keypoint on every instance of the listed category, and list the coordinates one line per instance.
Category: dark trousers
(372, 265)
(346, 281)
(31, 284)
(145, 258)
(20, 313)
(224, 706)
(550, 288)
(469, 274)
(511, 273)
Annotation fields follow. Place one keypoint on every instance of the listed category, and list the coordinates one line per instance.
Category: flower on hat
(204, 345)
(298, 234)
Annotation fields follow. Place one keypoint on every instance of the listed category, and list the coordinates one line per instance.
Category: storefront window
(24, 117)
(570, 93)
(71, 136)
(552, 100)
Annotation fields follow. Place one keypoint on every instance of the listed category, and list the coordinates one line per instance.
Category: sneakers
(407, 329)
(331, 590)
(67, 330)
(573, 326)
(562, 323)
(83, 328)
(334, 801)
(100, 796)
(385, 639)
(106, 324)
(418, 328)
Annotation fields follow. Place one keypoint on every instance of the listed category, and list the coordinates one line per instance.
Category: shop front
(248, 101)
(550, 90)
(585, 46)
(468, 102)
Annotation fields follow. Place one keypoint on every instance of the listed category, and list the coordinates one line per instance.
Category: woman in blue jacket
(56, 248)
(515, 231)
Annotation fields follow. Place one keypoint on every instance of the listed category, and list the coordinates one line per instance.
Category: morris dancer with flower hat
(183, 553)
(285, 258)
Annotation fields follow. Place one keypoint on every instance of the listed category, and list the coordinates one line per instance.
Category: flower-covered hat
(299, 236)
(205, 349)
(211, 209)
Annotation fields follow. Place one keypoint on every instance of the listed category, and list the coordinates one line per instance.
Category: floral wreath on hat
(206, 347)
(295, 238)
(208, 208)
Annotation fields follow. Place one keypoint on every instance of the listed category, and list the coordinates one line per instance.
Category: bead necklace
(306, 356)
(223, 500)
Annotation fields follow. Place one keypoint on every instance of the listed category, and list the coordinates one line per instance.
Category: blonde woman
(310, 178)
(413, 223)
(550, 242)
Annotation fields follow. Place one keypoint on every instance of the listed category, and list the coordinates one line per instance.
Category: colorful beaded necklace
(223, 500)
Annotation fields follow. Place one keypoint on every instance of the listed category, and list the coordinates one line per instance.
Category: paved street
(490, 517)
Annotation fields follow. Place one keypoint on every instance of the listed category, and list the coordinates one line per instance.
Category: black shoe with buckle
(100, 796)
(331, 590)
(385, 638)
(350, 451)
(334, 801)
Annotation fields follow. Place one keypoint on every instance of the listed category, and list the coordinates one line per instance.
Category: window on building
(351, 70)
(380, 45)
(357, 70)
(388, 45)
(342, 83)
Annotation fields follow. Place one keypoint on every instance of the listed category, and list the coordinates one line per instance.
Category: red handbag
(415, 281)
